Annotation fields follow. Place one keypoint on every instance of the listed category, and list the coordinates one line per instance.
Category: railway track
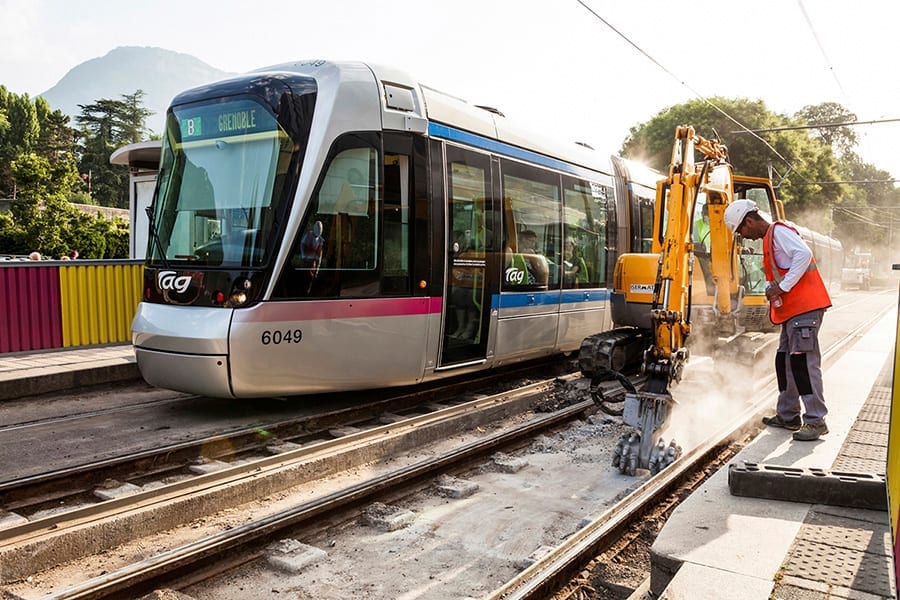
(57, 490)
(189, 565)
(51, 537)
(563, 568)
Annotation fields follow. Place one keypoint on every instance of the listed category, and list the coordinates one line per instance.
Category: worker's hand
(773, 291)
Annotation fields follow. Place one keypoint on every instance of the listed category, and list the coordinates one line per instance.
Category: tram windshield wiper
(154, 232)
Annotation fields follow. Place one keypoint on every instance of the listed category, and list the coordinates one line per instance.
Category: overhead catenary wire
(850, 181)
(817, 126)
(815, 35)
(683, 82)
(857, 216)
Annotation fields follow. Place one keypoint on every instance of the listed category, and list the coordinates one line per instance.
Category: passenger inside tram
(576, 271)
(537, 267)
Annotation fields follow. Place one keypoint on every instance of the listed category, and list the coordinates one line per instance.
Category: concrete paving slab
(454, 487)
(208, 466)
(112, 489)
(751, 537)
(386, 517)
(11, 519)
(282, 447)
(504, 463)
(339, 432)
(42, 372)
(697, 581)
(292, 556)
(539, 553)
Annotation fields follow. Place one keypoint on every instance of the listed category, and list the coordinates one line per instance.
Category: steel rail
(542, 578)
(192, 553)
(185, 557)
(253, 470)
(176, 456)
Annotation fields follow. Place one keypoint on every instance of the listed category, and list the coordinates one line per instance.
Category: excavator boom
(648, 410)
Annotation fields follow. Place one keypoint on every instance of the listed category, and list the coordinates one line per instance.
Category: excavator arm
(676, 198)
(648, 410)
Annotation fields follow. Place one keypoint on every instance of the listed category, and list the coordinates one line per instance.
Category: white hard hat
(736, 212)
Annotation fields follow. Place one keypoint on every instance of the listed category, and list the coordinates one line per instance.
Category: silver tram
(325, 226)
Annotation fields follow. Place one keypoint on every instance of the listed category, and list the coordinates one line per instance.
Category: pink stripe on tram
(316, 310)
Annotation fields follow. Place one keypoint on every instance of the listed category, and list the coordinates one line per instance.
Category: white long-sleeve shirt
(791, 253)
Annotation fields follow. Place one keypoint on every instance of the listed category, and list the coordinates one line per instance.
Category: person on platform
(797, 301)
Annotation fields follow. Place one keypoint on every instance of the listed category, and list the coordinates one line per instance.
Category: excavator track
(618, 350)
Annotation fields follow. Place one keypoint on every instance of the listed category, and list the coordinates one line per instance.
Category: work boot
(777, 421)
(809, 433)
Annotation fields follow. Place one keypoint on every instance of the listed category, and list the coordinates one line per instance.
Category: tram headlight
(238, 298)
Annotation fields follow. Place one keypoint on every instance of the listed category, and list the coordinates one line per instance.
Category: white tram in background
(326, 226)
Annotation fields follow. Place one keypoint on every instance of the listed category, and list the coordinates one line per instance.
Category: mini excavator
(659, 328)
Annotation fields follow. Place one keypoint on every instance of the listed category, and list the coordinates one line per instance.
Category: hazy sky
(550, 64)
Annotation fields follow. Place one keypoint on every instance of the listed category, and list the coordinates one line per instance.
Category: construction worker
(797, 301)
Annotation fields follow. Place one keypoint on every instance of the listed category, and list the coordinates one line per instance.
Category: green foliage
(107, 183)
(841, 139)
(40, 167)
(865, 215)
(105, 126)
(807, 166)
(81, 197)
(18, 135)
(12, 238)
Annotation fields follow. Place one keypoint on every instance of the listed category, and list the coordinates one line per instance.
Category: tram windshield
(221, 180)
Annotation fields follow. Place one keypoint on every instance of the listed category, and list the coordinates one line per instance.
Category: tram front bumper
(183, 348)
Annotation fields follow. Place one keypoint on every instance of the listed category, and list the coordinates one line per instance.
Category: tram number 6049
(288, 336)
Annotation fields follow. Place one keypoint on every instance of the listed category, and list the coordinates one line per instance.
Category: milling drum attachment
(647, 412)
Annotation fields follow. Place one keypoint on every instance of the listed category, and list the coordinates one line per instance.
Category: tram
(327, 226)
(323, 226)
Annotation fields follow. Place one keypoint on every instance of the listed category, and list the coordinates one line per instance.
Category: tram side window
(531, 207)
(584, 248)
(336, 251)
(644, 226)
(395, 274)
(469, 183)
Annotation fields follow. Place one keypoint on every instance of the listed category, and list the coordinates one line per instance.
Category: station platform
(719, 545)
(31, 373)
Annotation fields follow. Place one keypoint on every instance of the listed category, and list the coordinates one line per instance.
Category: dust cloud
(711, 395)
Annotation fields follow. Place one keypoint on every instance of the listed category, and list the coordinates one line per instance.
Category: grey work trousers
(798, 365)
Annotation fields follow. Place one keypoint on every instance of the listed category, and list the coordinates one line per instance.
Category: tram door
(470, 241)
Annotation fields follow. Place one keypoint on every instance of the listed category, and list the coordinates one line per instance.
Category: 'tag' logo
(167, 280)
(515, 276)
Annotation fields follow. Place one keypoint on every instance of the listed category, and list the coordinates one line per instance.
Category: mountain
(160, 73)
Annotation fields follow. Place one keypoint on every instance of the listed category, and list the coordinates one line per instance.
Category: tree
(134, 118)
(38, 166)
(18, 136)
(793, 158)
(105, 126)
(863, 215)
(816, 172)
(56, 140)
(842, 139)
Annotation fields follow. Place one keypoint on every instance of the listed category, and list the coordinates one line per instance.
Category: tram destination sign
(223, 119)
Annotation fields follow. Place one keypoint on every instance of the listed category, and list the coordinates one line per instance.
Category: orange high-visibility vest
(809, 293)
